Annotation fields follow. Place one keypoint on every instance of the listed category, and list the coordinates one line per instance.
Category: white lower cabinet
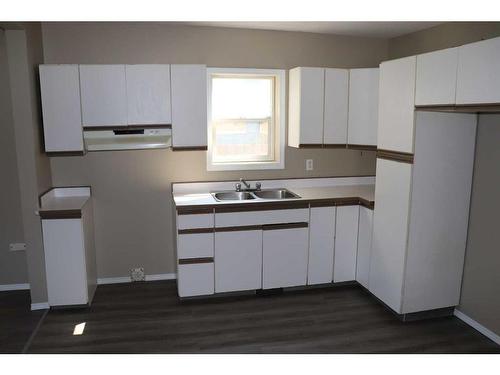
(365, 231)
(284, 256)
(321, 245)
(346, 243)
(196, 279)
(238, 260)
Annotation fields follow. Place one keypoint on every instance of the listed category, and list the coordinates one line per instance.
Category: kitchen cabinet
(103, 95)
(363, 107)
(196, 279)
(189, 107)
(148, 94)
(285, 249)
(336, 107)
(238, 260)
(346, 243)
(437, 77)
(321, 245)
(62, 118)
(306, 99)
(396, 104)
(478, 75)
(413, 266)
(364, 246)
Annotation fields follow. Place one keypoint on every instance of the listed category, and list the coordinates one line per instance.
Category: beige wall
(131, 189)
(481, 283)
(12, 264)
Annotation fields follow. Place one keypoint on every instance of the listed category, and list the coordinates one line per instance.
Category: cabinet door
(390, 231)
(189, 106)
(346, 243)
(104, 95)
(62, 117)
(437, 77)
(364, 246)
(336, 106)
(284, 257)
(195, 279)
(363, 107)
(321, 245)
(478, 77)
(238, 260)
(306, 103)
(148, 94)
(396, 104)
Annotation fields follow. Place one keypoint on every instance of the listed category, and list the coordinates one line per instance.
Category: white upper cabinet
(437, 77)
(363, 107)
(336, 106)
(189, 106)
(62, 119)
(306, 105)
(478, 76)
(396, 104)
(103, 95)
(148, 94)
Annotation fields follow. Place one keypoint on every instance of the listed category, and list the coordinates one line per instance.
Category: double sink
(271, 194)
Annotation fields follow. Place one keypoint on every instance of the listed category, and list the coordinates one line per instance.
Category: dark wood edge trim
(60, 187)
(350, 201)
(190, 148)
(368, 204)
(362, 147)
(196, 260)
(195, 230)
(65, 153)
(60, 214)
(193, 210)
(237, 229)
(461, 108)
(334, 145)
(284, 226)
(395, 156)
(124, 127)
(310, 145)
(261, 206)
(323, 203)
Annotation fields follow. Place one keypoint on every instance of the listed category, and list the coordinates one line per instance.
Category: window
(246, 119)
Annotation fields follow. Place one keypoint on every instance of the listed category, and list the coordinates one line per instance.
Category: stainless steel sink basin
(233, 196)
(275, 194)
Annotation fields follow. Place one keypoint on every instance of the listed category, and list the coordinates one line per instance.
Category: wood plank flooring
(149, 318)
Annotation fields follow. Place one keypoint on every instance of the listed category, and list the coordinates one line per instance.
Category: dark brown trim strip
(368, 204)
(190, 148)
(461, 108)
(196, 260)
(402, 157)
(323, 203)
(60, 214)
(310, 145)
(238, 207)
(284, 226)
(129, 127)
(362, 147)
(65, 153)
(237, 229)
(334, 145)
(194, 210)
(349, 201)
(195, 230)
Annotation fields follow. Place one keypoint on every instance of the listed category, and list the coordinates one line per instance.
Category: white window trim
(280, 75)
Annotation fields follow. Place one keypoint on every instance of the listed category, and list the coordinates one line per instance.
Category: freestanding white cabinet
(62, 117)
(104, 95)
(346, 243)
(189, 106)
(363, 107)
(321, 245)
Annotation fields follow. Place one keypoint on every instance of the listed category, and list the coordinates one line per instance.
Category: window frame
(279, 120)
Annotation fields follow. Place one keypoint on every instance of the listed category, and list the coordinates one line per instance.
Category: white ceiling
(366, 29)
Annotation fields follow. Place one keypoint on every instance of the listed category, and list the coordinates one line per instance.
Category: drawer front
(231, 219)
(195, 279)
(195, 245)
(195, 221)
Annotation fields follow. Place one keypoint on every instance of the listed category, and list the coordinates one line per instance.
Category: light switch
(309, 165)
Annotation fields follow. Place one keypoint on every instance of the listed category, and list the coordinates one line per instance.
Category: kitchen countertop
(63, 202)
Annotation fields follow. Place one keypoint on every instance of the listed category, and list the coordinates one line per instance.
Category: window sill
(246, 166)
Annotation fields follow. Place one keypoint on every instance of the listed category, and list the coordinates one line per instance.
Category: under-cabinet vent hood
(127, 139)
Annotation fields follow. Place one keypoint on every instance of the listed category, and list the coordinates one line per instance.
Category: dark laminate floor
(17, 322)
(148, 318)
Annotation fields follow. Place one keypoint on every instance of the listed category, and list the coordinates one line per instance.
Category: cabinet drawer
(231, 219)
(195, 221)
(195, 245)
(195, 279)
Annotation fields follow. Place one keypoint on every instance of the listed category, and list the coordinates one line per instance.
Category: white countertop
(64, 199)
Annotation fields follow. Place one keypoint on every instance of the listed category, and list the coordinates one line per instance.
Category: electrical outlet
(19, 246)
(137, 274)
(309, 165)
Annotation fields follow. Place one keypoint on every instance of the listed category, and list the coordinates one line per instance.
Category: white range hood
(127, 139)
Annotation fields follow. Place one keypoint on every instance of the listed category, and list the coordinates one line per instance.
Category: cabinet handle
(196, 260)
(285, 226)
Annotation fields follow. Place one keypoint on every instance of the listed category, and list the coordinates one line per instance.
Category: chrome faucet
(248, 187)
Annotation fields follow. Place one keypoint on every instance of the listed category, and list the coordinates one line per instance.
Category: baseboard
(126, 279)
(7, 287)
(477, 326)
(40, 306)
